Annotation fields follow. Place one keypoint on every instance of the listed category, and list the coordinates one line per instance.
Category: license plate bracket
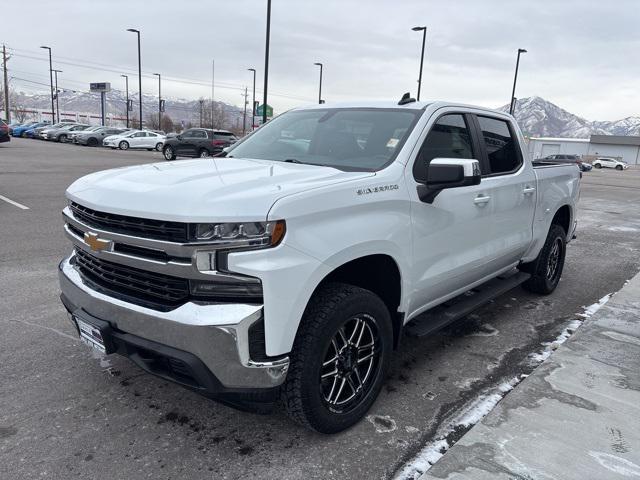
(95, 333)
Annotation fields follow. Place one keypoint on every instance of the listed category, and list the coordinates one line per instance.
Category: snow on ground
(480, 406)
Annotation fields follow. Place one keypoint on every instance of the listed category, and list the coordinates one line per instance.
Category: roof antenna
(406, 98)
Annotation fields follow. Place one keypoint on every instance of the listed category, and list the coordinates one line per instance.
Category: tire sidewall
(168, 153)
(158, 147)
(319, 416)
(555, 232)
(123, 145)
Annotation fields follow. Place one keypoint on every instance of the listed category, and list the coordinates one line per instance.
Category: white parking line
(19, 205)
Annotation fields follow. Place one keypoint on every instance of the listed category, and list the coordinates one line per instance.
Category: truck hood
(215, 189)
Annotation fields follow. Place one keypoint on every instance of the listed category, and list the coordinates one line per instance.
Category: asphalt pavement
(66, 414)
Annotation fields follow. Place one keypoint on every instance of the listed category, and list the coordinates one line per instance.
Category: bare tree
(151, 122)
(167, 124)
(19, 113)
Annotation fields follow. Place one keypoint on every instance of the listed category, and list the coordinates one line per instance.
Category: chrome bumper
(215, 333)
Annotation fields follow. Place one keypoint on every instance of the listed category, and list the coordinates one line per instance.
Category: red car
(4, 132)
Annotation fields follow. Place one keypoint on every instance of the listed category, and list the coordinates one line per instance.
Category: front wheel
(339, 358)
(204, 153)
(62, 138)
(169, 153)
(158, 147)
(618, 167)
(123, 145)
(546, 270)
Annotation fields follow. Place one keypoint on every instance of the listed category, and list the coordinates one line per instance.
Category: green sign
(260, 111)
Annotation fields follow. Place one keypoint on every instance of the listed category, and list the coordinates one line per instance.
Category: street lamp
(515, 79)
(424, 37)
(266, 64)
(56, 72)
(320, 88)
(159, 101)
(139, 72)
(51, 80)
(253, 107)
(126, 86)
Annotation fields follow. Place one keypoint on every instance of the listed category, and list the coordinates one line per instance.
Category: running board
(462, 305)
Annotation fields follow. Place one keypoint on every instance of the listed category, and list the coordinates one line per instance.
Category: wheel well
(563, 218)
(379, 274)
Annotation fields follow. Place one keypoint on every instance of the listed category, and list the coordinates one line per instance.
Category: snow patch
(616, 464)
(623, 229)
(475, 411)
(593, 308)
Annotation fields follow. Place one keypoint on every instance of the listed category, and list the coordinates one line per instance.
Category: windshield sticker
(392, 143)
(380, 189)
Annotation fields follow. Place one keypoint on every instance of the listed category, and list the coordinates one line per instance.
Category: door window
(500, 145)
(448, 138)
(199, 134)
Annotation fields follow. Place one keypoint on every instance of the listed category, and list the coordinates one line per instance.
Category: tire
(23, 135)
(352, 381)
(123, 145)
(203, 153)
(149, 149)
(62, 138)
(597, 165)
(546, 270)
(169, 153)
(158, 147)
(619, 167)
(92, 142)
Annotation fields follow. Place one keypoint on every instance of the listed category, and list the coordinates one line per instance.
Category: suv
(609, 162)
(198, 142)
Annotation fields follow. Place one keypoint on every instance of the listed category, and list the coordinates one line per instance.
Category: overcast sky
(582, 55)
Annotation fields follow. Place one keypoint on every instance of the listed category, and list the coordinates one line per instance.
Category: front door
(451, 237)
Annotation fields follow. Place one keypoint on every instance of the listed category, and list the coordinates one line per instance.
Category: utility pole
(53, 111)
(266, 64)
(7, 110)
(213, 77)
(159, 101)
(253, 104)
(57, 102)
(244, 115)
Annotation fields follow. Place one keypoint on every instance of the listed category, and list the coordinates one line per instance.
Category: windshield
(347, 138)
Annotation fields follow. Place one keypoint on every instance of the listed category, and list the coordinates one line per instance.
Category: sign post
(102, 88)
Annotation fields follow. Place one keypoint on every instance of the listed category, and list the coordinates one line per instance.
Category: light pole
(253, 104)
(126, 87)
(515, 79)
(424, 38)
(266, 64)
(51, 80)
(56, 72)
(320, 88)
(139, 72)
(159, 101)
(213, 79)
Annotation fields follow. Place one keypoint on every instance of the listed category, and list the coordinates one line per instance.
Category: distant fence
(82, 117)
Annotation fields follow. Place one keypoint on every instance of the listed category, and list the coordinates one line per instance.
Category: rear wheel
(123, 145)
(339, 358)
(546, 270)
(597, 165)
(159, 147)
(62, 138)
(203, 153)
(169, 153)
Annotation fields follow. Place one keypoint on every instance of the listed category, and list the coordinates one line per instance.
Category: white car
(289, 267)
(608, 162)
(136, 139)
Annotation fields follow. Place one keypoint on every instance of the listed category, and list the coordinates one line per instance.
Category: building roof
(615, 140)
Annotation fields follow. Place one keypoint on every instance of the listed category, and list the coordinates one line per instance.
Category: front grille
(139, 227)
(149, 289)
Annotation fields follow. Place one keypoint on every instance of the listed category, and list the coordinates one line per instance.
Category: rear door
(510, 183)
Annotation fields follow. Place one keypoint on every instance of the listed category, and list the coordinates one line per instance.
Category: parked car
(135, 139)
(566, 158)
(609, 162)
(93, 137)
(74, 135)
(62, 134)
(306, 250)
(31, 131)
(4, 132)
(19, 130)
(198, 142)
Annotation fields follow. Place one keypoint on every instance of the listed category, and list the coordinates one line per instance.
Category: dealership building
(620, 147)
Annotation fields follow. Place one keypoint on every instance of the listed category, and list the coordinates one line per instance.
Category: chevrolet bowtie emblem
(96, 244)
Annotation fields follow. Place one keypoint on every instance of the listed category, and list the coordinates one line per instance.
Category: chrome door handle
(528, 190)
(481, 200)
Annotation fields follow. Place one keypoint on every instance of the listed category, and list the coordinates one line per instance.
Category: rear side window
(500, 145)
(448, 138)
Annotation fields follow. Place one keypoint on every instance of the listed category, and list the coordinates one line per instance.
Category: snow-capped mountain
(538, 117)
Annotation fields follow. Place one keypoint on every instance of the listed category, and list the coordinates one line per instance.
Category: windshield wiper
(292, 160)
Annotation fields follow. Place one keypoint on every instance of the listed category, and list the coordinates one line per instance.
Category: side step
(462, 305)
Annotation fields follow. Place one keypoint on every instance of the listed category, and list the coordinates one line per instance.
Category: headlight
(237, 235)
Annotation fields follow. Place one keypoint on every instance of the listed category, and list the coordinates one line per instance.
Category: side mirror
(445, 173)
(225, 149)
(179, 137)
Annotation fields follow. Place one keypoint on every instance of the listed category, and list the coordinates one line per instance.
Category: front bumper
(215, 335)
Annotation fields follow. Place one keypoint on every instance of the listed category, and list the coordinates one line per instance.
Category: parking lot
(65, 413)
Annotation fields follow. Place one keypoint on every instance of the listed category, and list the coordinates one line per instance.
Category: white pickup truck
(288, 268)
